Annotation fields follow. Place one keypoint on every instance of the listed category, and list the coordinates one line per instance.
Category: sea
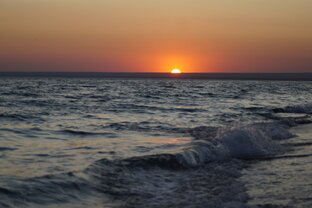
(96, 142)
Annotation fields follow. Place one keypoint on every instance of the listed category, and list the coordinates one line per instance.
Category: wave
(87, 133)
(18, 117)
(214, 144)
(145, 126)
(281, 157)
(144, 108)
(235, 141)
(7, 148)
(305, 108)
(289, 115)
(49, 189)
(211, 162)
(151, 180)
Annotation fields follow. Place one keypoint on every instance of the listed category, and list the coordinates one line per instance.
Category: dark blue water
(78, 142)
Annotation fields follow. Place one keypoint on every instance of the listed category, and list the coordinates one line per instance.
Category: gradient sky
(155, 36)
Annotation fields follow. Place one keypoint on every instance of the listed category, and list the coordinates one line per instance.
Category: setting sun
(176, 71)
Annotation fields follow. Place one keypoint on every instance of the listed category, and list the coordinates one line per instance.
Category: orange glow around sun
(178, 63)
(176, 71)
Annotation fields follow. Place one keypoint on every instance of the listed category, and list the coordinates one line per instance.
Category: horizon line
(140, 72)
(288, 76)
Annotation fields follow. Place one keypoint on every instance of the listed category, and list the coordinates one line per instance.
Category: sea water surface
(88, 142)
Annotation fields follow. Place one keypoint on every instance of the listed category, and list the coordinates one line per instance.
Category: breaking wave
(214, 153)
(151, 180)
(215, 144)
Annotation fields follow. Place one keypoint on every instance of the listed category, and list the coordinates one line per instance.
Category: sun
(176, 71)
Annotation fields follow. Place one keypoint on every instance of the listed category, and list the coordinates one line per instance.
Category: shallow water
(286, 179)
(140, 143)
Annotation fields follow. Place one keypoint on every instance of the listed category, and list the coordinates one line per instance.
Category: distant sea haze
(225, 76)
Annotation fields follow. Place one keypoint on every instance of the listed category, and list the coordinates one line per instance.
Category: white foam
(236, 141)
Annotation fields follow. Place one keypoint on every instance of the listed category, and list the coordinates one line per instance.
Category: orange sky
(155, 36)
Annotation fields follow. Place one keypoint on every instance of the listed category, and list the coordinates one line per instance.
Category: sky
(156, 36)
